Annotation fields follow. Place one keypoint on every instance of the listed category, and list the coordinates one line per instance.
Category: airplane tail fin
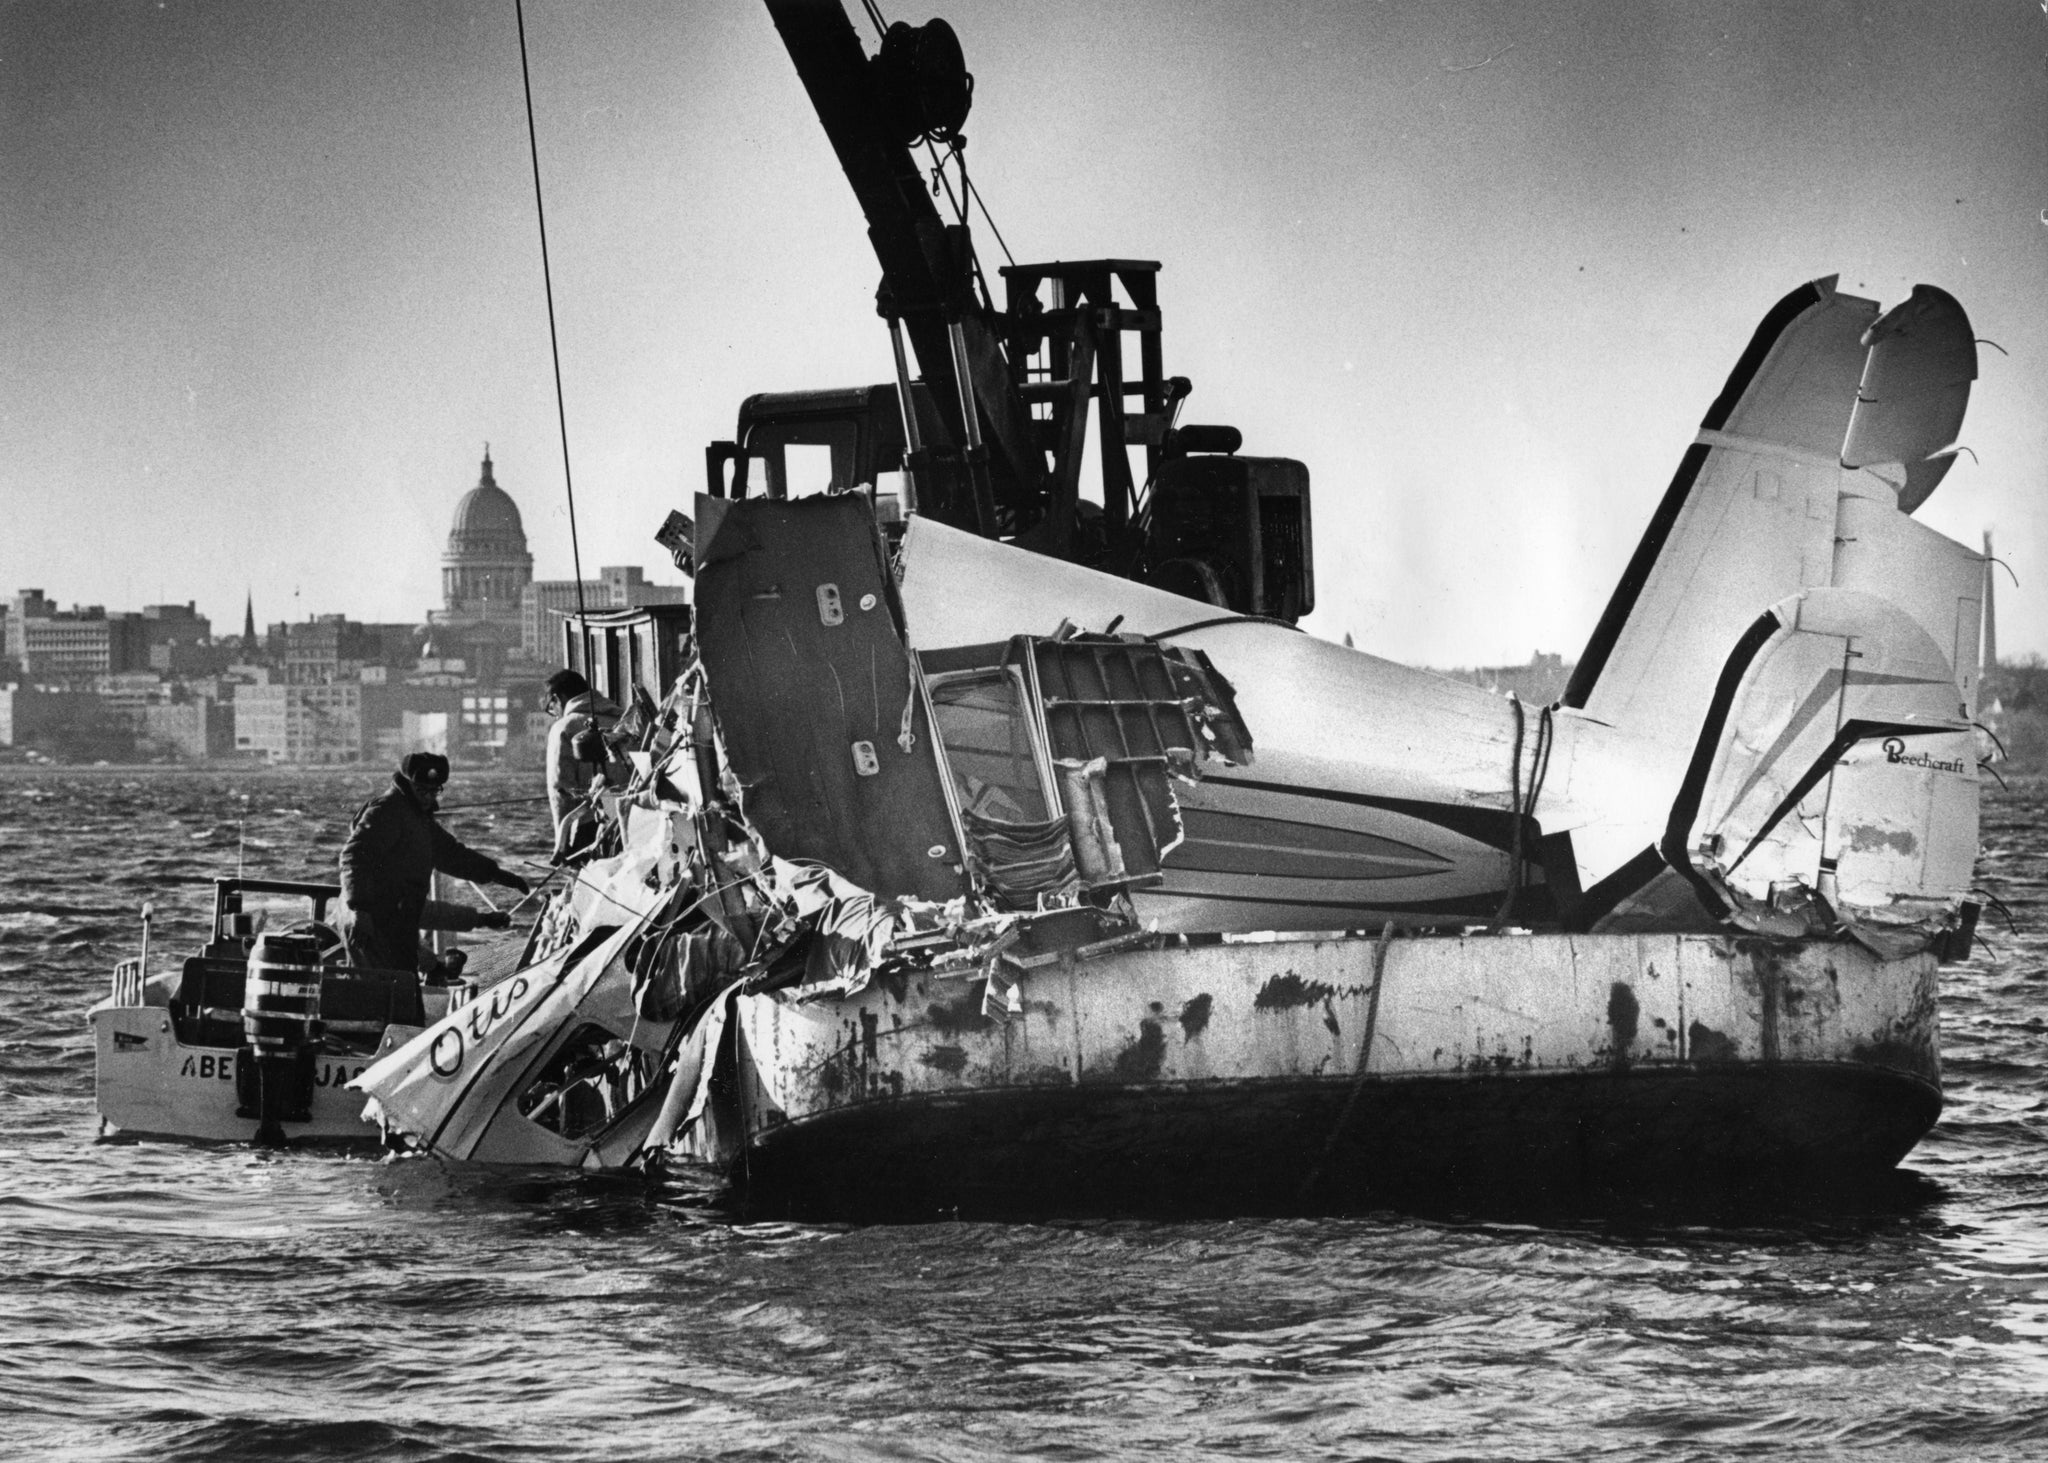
(1829, 405)
(1790, 659)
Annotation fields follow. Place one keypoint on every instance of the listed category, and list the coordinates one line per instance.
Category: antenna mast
(548, 283)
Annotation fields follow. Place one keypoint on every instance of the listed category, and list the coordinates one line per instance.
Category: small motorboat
(255, 1036)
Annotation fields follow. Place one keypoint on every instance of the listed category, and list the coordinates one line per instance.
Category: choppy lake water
(161, 1301)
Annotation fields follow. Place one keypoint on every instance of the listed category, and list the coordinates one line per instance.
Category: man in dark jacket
(388, 864)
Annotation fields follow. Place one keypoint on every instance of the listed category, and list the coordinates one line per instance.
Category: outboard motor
(280, 1027)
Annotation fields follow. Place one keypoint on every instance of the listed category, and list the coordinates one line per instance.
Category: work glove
(513, 881)
(493, 919)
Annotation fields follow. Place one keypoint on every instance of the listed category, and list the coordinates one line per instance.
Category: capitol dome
(486, 563)
(486, 519)
(486, 512)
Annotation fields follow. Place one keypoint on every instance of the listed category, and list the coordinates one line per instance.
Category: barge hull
(1338, 1073)
(1740, 1136)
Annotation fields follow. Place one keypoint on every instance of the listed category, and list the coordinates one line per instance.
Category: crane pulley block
(922, 83)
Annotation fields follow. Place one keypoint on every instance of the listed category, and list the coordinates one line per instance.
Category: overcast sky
(271, 273)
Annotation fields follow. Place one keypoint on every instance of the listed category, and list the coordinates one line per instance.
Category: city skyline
(1480, 266)
(607, 586)
(462, 679)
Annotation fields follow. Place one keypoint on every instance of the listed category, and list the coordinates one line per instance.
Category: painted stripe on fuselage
(1269, 855)
(1223, 842)
(1260, 912)
(1492, 828)
(1484, 904)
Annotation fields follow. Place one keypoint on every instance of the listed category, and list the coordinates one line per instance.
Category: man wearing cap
(576, 754)
(388, 865)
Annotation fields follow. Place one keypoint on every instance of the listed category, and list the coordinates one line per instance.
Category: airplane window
(982, 725)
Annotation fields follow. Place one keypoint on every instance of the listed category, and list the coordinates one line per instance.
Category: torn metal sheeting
(794, 692)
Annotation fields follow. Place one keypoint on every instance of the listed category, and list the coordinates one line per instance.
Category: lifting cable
(1521, 803)
(968, 190)
(1514, 851)
(975, 193)
(959, 207)
(548, 284)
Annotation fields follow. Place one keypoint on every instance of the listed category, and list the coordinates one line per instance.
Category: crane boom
(926, 278)
(994, 436)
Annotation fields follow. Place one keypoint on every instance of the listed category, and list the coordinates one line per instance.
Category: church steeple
(249, 623)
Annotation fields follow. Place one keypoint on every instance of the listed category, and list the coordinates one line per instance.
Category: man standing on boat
(577, 753)
(388, 865)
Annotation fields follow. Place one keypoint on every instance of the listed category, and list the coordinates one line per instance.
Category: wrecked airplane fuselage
(956, 877)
